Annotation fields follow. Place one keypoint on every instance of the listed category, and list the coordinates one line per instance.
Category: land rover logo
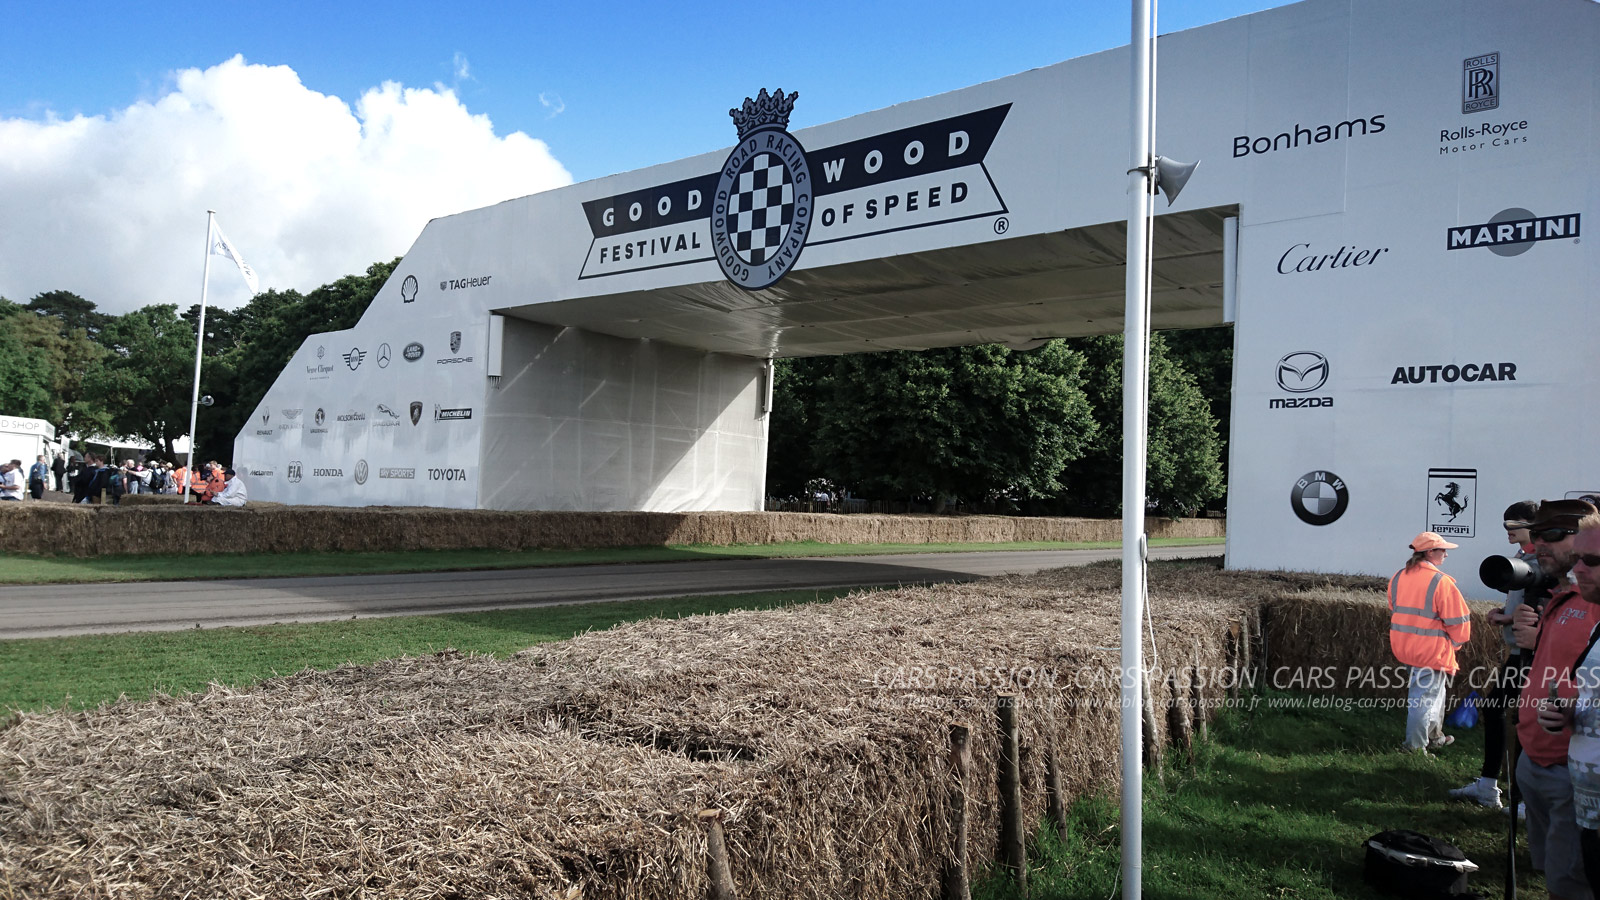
(413, 352)
(1319, 498)
(361, 471)
(416, 411)
(383, 356)
(1302, 371)
(761, 212)
(455, 342)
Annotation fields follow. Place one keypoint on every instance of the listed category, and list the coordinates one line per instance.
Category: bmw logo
(1319, 498)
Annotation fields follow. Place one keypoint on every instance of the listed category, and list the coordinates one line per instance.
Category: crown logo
(766, 109)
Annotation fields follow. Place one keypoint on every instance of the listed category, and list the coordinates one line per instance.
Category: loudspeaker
(1172, 175)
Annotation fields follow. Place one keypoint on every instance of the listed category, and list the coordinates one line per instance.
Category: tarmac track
(28, 611)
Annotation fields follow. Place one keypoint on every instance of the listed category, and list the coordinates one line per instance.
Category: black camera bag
(1408, 864)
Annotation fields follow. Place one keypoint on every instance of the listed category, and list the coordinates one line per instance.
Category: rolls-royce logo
(1302, 371)
(1480, 83)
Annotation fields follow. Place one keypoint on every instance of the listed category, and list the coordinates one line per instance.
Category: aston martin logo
(1302, 371)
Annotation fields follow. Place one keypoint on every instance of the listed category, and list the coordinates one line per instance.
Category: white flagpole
(1135, 372)
(199, 342)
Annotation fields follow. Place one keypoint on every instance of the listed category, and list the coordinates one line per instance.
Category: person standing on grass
(1583, 716)
(1559, 633)
(58, 467)
(1508, 681)
(1429, 621)
(38, 475)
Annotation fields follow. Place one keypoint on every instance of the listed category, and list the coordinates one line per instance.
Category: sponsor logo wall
(361, 433)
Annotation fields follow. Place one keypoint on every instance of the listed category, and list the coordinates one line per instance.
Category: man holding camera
(1559, 633)
(1518, 518)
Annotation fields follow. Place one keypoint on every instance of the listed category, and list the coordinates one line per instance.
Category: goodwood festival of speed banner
(927, 174)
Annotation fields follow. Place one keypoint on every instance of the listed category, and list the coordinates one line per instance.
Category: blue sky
(507, 98)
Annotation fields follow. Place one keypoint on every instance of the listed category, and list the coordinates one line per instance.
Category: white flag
(221, 246)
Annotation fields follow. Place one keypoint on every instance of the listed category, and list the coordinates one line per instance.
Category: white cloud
(462, 69)
(309, 189)
(553, 103)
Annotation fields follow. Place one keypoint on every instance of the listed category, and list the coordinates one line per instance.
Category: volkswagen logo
(1302, 371)
(361, 471)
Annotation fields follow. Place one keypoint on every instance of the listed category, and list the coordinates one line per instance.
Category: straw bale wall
(1342, 631)
(86, 530)
(818, 735)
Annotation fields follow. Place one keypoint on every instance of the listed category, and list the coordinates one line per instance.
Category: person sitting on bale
(233, 491)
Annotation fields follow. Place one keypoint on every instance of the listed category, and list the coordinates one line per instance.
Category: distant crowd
(94, 479)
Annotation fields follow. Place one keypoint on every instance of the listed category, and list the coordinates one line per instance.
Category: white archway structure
(1390, 211)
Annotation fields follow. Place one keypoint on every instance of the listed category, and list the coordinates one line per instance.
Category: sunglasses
(1553, 535)
(1590, 560)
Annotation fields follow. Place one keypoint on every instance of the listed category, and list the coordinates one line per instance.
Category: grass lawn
(87, 670)
(18, 569)
(1279, 803)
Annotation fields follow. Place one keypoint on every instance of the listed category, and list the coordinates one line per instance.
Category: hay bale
(1343, 632)
(579, 768)
(147, 524)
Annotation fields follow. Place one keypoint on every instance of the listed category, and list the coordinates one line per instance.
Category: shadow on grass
(1277, 803)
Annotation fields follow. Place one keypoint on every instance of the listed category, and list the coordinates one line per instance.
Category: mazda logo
(1302, 371)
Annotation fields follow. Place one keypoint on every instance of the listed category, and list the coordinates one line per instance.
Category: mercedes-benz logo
(1302, 371)
(383, 356)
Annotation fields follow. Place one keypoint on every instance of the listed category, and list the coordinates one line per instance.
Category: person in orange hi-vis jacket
(1428, 621)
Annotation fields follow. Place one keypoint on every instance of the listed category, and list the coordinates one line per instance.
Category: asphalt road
(51, 610)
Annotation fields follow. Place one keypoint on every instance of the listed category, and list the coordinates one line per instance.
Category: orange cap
(1428, 540)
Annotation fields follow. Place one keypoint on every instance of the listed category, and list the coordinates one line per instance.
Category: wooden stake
(1013, 849)
(956, 880)
(718, 872)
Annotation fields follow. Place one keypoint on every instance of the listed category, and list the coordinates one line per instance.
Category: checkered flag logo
(762, 210)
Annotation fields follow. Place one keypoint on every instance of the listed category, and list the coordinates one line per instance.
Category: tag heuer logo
(761, 214)
(416, 411)
(455, 342)
(1480, 83)
(354, 357)
(413, 352)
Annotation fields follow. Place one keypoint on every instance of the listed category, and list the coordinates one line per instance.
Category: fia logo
(294, 471)
(761, 212)
(354, 357)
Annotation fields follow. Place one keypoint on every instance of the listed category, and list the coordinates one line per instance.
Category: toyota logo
(1302, 371)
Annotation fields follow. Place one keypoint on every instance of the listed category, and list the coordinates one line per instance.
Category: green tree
(42, 364)
(1183, 469)
(72, 311)
(970, 423)
(792, 458)
(145, 380)
(1207, 354)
